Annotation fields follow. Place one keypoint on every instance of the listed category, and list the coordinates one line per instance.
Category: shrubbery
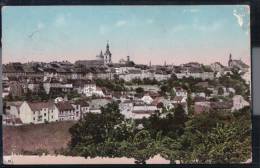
(204, 138)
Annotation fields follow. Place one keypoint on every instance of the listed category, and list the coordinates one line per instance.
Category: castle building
(237, 64)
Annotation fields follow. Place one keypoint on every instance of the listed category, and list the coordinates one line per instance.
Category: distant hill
(39, 136)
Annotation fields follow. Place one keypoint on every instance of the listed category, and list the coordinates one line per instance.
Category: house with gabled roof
(66, 111)
(38, 112)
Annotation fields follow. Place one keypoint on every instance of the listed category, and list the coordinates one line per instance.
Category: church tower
(230, 60)
(100, 56)
(108, 55)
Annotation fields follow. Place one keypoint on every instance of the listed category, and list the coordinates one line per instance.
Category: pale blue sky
(175, 34)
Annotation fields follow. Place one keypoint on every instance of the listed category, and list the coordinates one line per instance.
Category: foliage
(114, 85)
(139, 90)
(204, 138)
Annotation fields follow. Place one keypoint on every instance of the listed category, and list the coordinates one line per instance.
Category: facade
(38, 112)
(147, 99)
(91, 89)
(143, 111)
(57, 85)
(239, 102)
(66, 111)
(180, 92)
(81, 107)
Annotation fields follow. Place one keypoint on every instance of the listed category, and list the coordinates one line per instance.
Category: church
(101, 59)
(237, 64)
(106, 57)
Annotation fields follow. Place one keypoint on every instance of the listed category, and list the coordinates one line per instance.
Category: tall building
(107, 55)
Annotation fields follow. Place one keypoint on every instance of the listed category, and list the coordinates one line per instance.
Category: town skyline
(143, 33)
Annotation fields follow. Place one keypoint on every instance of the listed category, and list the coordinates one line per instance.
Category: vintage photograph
(126, 84)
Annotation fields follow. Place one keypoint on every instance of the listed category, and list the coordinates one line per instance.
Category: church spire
(230, 60)
(108, 54)
(107, 45)
(230, 57)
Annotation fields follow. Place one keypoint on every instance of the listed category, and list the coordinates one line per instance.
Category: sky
(171, 34)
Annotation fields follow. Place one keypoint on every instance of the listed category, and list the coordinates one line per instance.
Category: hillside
(31, 137)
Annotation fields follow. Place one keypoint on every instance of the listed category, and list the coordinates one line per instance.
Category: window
(44, 114)
(52, 117)
(33, 118)
(39, 118)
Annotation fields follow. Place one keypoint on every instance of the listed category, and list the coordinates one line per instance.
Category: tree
(96, 130)
(215, 138)
(143, 147)
(164, 89)
(226, 143)
(170, 149)
(139, 90)
(179, 119)
(220, 91)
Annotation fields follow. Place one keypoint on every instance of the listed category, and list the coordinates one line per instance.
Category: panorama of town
(39, 92)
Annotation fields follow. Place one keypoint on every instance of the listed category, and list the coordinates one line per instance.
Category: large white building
(38, 112)
(91, 89)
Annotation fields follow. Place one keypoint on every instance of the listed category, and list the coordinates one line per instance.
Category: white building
(143, 111)
(239, 102)
(13, 108)
(38, 112)
(65, 87)
(147, 99)
(81, 107)
(91, 90)
(180, 92)
(198, 94)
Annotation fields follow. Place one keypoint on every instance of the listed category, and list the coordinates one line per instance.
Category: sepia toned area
(111, 103)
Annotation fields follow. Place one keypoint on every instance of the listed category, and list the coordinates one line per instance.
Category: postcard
(126, 84)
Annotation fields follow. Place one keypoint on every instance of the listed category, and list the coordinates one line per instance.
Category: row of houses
(20, 88)
(131, 107)
(236, 103)
(50, 111)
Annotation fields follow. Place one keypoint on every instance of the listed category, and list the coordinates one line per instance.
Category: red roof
(37, 106)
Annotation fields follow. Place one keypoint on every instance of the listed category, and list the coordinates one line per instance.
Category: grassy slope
(31, 137)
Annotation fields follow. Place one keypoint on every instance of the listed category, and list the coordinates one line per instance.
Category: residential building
(81, 107)
(38, 112)
(90, 89)
(66, 111)
(239, 102)
(147, 99)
